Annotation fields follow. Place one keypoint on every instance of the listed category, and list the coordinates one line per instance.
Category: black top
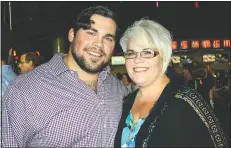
(173, 122)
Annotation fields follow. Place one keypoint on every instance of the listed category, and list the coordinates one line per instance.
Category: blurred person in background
(221, 97)
(162, 112)
(73, 100)
(28, 61)
(189, 80)
(128, 82)
(206, 82)
(7, 72)
(119, 76)
(172, 74)
(7, 75)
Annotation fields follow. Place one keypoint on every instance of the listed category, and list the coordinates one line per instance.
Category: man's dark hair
(119, 76)
(35, 58)
(188, 67)
(129, 79)
(83, 19)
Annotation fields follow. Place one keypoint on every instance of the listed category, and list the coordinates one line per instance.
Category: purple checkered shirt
(51, 107)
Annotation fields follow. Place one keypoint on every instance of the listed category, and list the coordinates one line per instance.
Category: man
(7, 74)
(126, 80)
(72, 100)
(28, 61)
(187, 71)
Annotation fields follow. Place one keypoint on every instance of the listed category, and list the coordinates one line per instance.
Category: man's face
(125, 80)
(92, 48)
(186, 73)
(24, 65)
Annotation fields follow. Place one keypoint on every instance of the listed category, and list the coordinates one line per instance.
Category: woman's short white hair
(150, 34)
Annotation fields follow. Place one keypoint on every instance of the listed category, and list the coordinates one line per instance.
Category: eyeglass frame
(155, 53)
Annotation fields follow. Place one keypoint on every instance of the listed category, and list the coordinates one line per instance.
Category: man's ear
(30, 63)
(71, 35)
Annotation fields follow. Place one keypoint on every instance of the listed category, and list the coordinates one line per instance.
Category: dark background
(36, 24)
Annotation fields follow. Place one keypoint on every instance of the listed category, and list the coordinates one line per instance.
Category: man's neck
(90, 79)
(3, 62)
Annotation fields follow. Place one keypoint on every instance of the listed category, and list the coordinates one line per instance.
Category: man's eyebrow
(107, 35)
(93, 29)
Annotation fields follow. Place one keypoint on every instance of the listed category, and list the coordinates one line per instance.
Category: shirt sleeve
(4, 85)
(16, 128)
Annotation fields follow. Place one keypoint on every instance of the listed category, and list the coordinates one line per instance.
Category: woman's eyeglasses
(146, 53)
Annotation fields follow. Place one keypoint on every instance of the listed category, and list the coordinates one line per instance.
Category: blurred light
(14, 53)
(195, 44)
(157, 4)
(37, 52)
(216, 44)
(196, 4)
(227, 43)
(206, 44)
(174, 45)
(184, 44)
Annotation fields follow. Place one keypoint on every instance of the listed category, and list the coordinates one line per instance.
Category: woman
(162, 112)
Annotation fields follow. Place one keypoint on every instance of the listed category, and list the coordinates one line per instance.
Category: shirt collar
(58, 66)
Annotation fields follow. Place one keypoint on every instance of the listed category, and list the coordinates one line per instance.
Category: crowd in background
(74, 101)
(213, 85)
(12, 68)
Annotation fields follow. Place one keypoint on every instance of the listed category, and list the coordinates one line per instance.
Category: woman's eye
(148, 52)
(130, 53)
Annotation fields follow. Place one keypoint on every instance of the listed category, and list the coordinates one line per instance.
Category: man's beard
(90, 67)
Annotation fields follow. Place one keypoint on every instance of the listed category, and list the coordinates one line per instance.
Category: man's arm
(16, 129)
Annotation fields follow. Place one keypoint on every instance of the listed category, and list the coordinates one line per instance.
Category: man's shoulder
(34, 76)
(114, 83)
(112, 78)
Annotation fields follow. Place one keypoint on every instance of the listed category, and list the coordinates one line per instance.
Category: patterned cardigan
(180, 118)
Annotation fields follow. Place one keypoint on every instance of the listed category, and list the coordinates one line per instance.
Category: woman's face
(143, 71)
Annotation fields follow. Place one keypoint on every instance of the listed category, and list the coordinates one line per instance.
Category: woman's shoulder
(186, 92)
(194, 100)
(192, 97)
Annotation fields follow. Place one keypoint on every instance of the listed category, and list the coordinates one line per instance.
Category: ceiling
(36, 24)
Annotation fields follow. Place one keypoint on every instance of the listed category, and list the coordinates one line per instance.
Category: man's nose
(98, 42)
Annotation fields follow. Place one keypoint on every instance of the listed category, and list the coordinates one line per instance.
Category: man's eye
(109, 39)
(91, 33)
